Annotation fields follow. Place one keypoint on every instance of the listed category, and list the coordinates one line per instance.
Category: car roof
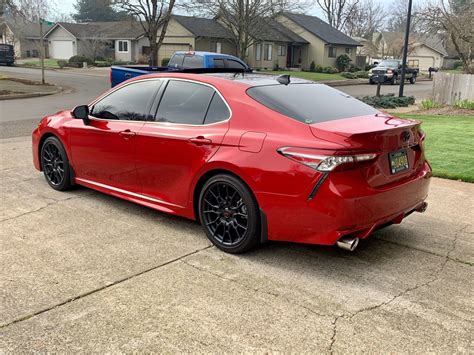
(206, 53)
(245, 80)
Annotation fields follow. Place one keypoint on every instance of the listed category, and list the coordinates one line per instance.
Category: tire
(229, 214)
(371, 82)
(413, 79)
(55, 164)
(394, 80)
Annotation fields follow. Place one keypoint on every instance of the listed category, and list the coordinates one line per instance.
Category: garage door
(423, 62)
(168, 49)
(61, 49)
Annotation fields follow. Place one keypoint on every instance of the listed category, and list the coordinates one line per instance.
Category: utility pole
(405, 50)
(41, 50)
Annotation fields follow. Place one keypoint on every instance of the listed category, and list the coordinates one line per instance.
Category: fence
(449, 88)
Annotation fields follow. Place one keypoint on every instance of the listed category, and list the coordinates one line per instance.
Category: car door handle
(200, 140)
(127, 134)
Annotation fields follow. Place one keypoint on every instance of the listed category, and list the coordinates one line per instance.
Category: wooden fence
(449, 88)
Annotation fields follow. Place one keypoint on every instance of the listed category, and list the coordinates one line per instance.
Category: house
(424, 51)
(325, 43)
(23, 35)
(116, 40)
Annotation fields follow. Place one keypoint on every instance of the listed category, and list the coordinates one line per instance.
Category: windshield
(309, 103)
(389, 63)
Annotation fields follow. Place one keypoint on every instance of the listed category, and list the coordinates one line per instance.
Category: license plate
(398, 161)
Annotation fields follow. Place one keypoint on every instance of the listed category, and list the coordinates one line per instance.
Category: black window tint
(233, 64)
(128, 103)
(219, 63)
(184, 102)
(193, 61)
(218, 110)
(310, 103)
(176, 61)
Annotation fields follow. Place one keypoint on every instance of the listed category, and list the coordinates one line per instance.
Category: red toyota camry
(252, 158)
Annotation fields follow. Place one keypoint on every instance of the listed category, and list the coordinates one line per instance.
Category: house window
(122, 46)
(268, 52)
(281, 50)
(332, 52)
(216, 47)
(349, 51)
(258, 51)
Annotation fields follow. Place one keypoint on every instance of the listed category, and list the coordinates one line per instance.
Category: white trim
(117, 48)
(54, 27)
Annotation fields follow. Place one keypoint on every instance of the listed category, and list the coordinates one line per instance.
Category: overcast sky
(67, 7)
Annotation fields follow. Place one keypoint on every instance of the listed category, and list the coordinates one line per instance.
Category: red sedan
(252, 157)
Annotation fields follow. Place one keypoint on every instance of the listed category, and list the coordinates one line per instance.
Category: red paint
(159, 165)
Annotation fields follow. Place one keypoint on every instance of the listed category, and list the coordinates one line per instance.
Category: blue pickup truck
(178, 62)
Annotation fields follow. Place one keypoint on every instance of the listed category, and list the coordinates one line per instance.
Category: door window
(218, 110)
(219, 63)
(233, 64)
(132, 102)
(184, 102)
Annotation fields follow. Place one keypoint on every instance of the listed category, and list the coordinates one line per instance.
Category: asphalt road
(81, 271)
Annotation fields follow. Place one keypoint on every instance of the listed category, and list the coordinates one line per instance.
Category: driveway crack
(102, 288)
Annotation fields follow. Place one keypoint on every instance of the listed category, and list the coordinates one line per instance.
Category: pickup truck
(390, 70)
(7, 55)
(179, 61)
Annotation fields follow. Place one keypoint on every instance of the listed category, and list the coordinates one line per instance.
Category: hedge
(388, 101)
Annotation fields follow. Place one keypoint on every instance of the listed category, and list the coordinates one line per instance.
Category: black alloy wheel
(55, 164)
(229, 214)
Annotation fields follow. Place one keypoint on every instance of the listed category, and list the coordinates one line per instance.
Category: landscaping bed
(449, 144)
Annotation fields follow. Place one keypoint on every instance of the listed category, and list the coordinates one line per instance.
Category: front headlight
(370, 71)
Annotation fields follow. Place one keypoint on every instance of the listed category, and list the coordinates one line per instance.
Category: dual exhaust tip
(350, 243)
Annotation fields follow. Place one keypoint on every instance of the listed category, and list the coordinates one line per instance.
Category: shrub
(329, 70)
(164, 62)
(276, 67)
(121, 62)
(62, 63)
(318, 69)
(429, 104)
(342, 62)
(102, 64)
(349, 75)
(77, 60)
(312, 67)
(466, 104)
(100, 59)
(353, 68)
(362, 74)
(457, 64)
(388, 101)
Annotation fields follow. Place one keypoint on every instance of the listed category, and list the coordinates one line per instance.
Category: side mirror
(82, 113)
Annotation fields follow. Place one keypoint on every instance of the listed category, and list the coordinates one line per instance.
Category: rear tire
(55, 164)
(413, 79)
(229, 214)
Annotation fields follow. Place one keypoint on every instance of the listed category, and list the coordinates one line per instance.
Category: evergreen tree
(97, 10)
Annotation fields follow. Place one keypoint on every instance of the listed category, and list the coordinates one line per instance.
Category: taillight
(326, 161)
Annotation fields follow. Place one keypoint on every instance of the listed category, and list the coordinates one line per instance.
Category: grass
(48, 63)
(449, 145)
(308, 75)
(453, 71)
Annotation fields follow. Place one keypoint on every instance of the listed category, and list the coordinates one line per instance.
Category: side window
(219, 63)
(233, 64)
(193, 61)
(184, 102)
(132, 102)
(217, 111)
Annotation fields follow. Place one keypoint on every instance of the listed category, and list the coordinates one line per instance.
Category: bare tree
(454, 18)
(397, 16)
(367, 17)
(154, 17)
(337, 12)
(244, 19)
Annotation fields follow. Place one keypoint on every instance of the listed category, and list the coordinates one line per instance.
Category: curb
(29, 95)
(64, 71)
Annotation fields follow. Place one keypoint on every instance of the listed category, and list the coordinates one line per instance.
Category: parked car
(180, 60)
(252, 157)
(390, 70)
(7, 54)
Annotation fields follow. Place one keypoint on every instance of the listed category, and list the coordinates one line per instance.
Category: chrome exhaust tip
(422, 208)
(348, 243)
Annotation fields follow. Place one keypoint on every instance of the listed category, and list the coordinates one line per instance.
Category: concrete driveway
(84, 272)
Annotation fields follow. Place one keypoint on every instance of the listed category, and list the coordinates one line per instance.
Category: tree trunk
(153, 49)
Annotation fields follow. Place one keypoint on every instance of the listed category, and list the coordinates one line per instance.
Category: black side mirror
(82, 113)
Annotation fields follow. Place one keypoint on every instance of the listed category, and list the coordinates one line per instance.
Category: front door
(190, 124)
(103, 152)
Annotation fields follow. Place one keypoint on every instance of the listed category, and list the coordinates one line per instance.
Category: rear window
(309, 103)
(176, 60)
(193, 61)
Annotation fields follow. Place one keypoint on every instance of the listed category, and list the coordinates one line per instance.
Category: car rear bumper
(339, 209)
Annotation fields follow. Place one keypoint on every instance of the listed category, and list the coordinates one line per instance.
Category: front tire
(394, 80)
(55, 164)
(229, 214)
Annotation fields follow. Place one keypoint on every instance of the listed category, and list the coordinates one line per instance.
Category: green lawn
(453, 71)
(308, 75)
(48, 63)
(449, 145)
